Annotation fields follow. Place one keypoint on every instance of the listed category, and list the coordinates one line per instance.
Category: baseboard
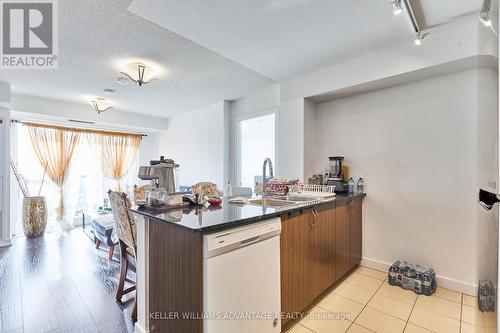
(442, 281)
(139, 329)
(5, 242)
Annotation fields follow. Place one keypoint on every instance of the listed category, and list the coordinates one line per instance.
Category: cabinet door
(356, 231)
(324, 247)
(342, 240)
(296, 264)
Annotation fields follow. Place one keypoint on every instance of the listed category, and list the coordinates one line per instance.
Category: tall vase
(34, 216)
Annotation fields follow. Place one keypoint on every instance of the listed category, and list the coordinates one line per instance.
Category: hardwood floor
(60, 283)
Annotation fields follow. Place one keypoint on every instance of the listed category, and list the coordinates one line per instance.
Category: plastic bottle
(350, 184)
(361, 185)
(392, 274)
(229, 189)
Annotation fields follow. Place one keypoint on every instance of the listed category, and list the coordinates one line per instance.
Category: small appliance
(162, 173)
(336, 176)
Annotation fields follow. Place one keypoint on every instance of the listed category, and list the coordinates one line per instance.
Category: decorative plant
(43, 179)
(22, 182)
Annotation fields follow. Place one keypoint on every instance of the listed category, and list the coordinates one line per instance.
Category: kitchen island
(320, 242)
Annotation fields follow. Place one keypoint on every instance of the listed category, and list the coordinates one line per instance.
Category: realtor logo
(29, 34)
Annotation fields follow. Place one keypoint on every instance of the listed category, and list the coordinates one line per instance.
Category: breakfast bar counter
(207, 218)
(170, 252)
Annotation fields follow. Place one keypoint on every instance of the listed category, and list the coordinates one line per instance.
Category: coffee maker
(336, 176)
(162, 173)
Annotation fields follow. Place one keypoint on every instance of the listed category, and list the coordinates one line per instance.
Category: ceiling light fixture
(397, 7)
(139, 73)
(122, 80)
(484, 15)
(99, 104)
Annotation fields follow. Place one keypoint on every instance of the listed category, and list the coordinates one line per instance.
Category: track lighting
(484, 15)
(419, 38)
(397, 8)
(486, 22)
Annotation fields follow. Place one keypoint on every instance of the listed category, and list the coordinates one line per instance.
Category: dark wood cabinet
(319, 245)
(296, 265)
(307, 257)
(356, 222)
(343, 239)
(324, 248)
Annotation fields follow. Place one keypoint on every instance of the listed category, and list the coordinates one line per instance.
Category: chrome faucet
(264, 179)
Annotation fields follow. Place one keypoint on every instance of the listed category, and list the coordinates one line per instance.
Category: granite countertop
(209, 219)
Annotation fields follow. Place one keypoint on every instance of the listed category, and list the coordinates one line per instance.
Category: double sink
(281, 201)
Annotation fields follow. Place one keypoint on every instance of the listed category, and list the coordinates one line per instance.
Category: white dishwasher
(241, 279)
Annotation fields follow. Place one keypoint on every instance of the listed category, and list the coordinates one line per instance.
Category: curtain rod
(75, 128)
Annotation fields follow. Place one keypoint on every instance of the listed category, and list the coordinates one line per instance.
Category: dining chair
(127, 234)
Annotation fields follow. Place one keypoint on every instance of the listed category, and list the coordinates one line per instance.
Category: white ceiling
(96, 35)
(213, 50)
(284, 38)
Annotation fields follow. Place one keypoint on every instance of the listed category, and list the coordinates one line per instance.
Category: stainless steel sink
(270, 202)
(296, 198)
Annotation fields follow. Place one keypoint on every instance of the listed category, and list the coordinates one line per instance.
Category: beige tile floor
(364, 302)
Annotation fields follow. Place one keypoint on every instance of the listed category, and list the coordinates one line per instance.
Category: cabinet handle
(315, 215)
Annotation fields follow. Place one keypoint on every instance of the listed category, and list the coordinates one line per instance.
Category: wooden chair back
(140, 192)
(206, 189)
(125, 224)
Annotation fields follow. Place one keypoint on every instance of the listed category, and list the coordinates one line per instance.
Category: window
(85, 187)
(256, 137)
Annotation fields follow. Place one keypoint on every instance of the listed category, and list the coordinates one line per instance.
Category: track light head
(484, 15)
(419, 38)
(487, 23)
(397, 7)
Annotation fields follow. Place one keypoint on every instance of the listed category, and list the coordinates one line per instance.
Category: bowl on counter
(215, 201)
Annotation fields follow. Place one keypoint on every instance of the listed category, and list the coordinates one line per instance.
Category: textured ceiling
(285, 38)
(95, 36)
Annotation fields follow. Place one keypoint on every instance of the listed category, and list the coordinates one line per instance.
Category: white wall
(195, 140)
(415, 145)
(5, 178)
(310, 139)
(149, 148)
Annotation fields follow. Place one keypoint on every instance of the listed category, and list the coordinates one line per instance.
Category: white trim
(5, 242)
(139, 329)
(442, 281)
(142, 274)
(237, 137)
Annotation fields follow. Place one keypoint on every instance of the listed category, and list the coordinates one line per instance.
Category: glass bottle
(229, 189)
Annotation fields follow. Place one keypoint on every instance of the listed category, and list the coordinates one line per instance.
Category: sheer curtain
(86, 180)
(54, 149)
(116, 154)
